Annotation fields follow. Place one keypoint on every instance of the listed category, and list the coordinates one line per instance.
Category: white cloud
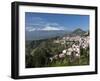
(45, 27)
(38, 23)
(48, 28)
(30, 29)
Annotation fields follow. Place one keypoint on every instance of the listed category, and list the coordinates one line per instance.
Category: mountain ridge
(43, 34)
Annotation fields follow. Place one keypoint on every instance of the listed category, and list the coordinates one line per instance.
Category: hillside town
(68, 50)
(72, 44)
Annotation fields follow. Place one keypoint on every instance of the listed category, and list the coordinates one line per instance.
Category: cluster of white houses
(77, 42)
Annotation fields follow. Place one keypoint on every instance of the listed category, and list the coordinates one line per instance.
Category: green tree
(40, 57)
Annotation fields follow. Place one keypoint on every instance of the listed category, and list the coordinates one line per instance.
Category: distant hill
(38, 35)
(78, 32)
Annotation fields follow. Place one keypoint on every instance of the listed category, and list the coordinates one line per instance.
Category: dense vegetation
(38, 53)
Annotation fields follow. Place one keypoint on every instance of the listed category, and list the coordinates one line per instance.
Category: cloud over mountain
(36, 23)
(46, 28)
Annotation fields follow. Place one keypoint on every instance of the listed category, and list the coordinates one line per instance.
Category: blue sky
(47, 21)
